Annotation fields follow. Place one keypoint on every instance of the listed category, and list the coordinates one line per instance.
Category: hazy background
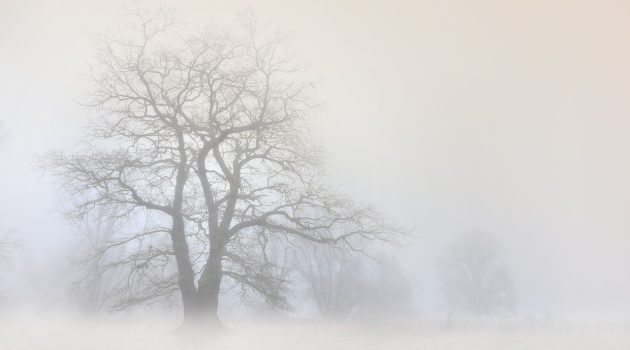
(449, 116)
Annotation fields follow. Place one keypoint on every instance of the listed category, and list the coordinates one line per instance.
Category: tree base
(202, 326)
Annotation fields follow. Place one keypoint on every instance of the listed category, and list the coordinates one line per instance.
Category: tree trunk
(186, 275)
(210, 286)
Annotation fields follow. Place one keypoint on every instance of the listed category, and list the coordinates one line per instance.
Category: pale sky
(505, 116)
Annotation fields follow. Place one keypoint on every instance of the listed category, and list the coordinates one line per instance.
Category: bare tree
(336, 281)
(8, 248)
(206, 135)
(356, 286)
(474, 282)
(8, 244)
(97, 277)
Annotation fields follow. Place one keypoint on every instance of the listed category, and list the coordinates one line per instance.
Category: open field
(66, 334)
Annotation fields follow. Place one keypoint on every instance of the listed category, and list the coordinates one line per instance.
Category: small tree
(474, 282)
(353, 285)
(336, 280)
(98, 276)
(8, 248)
(8, 244)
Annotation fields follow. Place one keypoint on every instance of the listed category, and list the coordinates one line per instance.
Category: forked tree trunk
(201, 306)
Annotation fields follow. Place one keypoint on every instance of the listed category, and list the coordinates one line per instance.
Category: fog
(446, 117)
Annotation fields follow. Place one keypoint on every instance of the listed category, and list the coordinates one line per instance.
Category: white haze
(448, 116)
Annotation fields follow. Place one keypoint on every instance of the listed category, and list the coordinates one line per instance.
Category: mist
(457, 174)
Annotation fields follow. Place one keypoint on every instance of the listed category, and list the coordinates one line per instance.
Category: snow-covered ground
(52, 333)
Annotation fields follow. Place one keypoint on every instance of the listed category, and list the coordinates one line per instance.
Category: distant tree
(388, 295)
(336, 280)
(8, 244)
(474, 282)
(99, 280)
(353, 285)
(8, 248)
